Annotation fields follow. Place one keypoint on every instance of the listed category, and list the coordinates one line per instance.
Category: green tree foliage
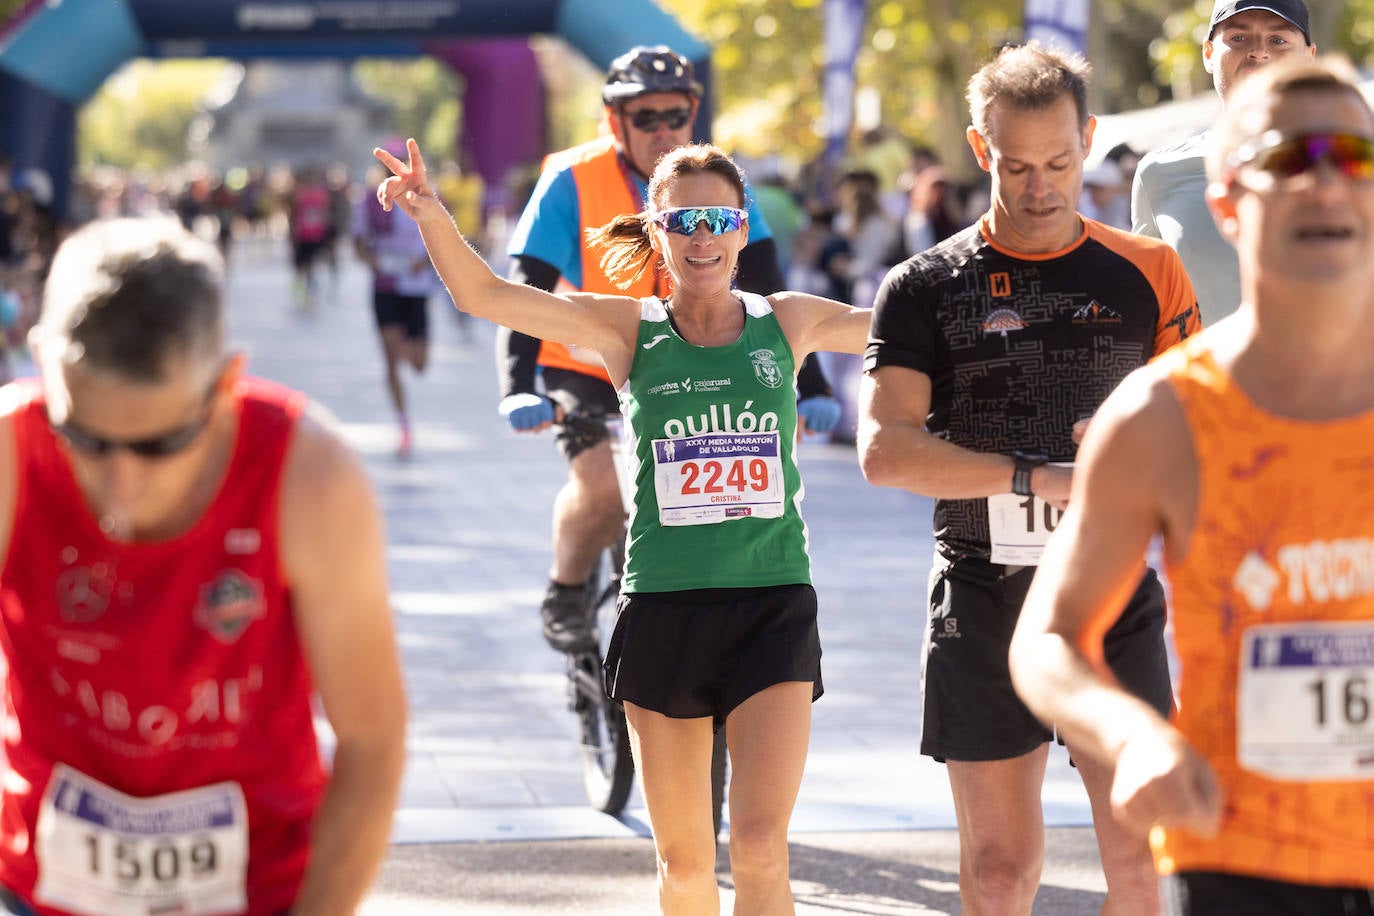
(769, 55)
(141, 115)
(425, 97)
(919, 54)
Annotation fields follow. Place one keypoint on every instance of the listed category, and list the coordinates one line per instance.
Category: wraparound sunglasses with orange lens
(1285, 157)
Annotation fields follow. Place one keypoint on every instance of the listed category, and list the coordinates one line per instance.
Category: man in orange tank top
(1249, 450)
(190, 555)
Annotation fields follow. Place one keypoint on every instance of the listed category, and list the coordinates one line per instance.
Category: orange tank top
(1273, 610)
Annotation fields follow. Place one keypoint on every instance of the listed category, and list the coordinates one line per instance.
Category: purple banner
(503, 108)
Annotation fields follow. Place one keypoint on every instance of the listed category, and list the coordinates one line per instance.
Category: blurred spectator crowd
(838, 226)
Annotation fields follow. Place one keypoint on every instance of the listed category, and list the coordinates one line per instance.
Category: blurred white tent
(1146, 129)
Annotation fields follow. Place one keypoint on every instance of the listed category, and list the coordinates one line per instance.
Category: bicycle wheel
(607, 767)
(607, 764)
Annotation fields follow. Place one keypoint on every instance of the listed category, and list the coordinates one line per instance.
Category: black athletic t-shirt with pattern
(1019, 347)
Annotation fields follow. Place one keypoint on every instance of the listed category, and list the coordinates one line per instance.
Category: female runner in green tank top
(718, 620)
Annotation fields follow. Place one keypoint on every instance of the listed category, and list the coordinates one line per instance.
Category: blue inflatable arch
(55, 53)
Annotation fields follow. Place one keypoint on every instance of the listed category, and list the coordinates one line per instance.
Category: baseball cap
(1293, 11)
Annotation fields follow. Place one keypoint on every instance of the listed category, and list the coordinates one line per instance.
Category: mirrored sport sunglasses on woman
(685, 220)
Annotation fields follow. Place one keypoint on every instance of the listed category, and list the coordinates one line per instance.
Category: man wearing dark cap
(1167, 196)
(651, 98)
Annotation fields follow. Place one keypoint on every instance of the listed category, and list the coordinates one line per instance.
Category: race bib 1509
(103, 853)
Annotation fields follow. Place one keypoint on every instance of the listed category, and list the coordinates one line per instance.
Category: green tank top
(712, 432)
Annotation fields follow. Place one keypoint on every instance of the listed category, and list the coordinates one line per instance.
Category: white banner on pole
(844, 26)
(1058, 23)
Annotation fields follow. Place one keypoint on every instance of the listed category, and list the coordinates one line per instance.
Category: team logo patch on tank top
(1001, 321)
(766, 368)
(229, 604)
(83, 592)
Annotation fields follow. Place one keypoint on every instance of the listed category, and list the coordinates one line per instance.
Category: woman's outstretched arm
(600, 323)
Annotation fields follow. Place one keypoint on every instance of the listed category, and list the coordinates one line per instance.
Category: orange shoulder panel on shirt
(1179, 316)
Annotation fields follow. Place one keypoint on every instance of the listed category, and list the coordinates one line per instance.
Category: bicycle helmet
(642, 70)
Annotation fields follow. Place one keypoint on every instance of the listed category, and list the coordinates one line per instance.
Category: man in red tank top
(189, 555)
(1249, 450)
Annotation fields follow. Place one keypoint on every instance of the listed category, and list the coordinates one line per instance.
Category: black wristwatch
(1025, 463)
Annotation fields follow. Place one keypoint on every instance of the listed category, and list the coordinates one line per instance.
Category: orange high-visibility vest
(603, 193)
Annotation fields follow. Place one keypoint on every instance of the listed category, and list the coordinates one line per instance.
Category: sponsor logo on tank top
(706, 385)
(1316, 572)
(722, 418)
(999, 285)
(83, 592)
(229, 604)
(1262, 458)
(215, 707)
(1000, 321)
(766, 368)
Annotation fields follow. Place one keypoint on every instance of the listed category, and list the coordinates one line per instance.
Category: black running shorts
(579, 393)
(971, 711)
(410, 312)
(703, 652)
(1201, 893)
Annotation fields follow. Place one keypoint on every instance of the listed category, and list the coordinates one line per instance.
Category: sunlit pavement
(492, 747)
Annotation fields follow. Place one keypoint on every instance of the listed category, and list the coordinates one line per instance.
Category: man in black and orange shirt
(986, 351)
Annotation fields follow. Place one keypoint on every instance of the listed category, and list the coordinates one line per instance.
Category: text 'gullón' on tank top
(1273, 612)
(712, 430)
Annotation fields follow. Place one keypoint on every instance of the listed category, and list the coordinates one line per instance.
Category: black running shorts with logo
(703, 652)
(971, 711)
(583, 395)
(1202, 893)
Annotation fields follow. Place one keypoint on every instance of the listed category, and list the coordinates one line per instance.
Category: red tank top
(310, 214)
(158, 667)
